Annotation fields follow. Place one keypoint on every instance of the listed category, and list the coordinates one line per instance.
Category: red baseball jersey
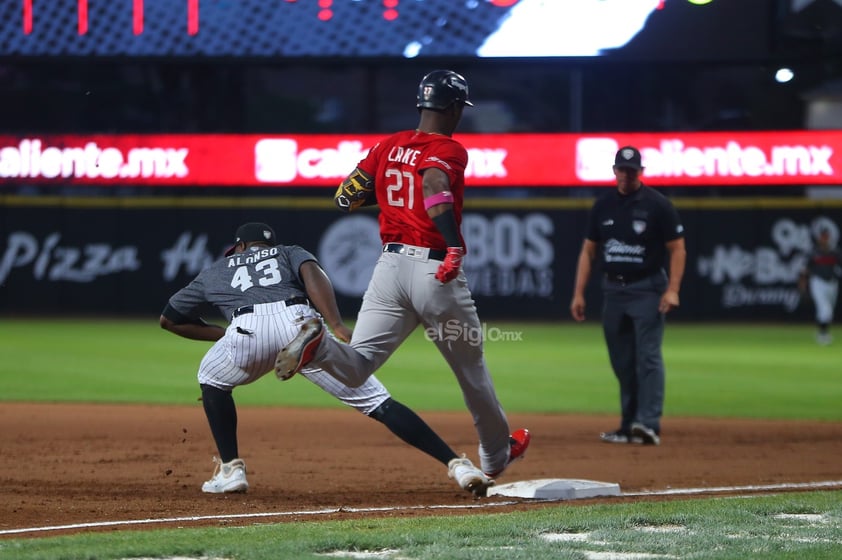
(397, 164)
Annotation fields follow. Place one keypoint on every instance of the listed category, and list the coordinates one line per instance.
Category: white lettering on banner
(673, 158)
(279, 160)
(485, 163)
(772, 271)
(523, 282)
(509, 255)
(193, 257)
(737, 295)
(53, 262)
(329, 163)
(282, 160)
(29, 159)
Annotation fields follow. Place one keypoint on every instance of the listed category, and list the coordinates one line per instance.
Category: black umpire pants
(634, 333)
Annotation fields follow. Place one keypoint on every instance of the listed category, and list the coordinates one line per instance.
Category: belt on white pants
(414, 252)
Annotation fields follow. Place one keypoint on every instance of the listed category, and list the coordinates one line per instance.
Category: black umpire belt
(415, 252)
(628, 277)
(297, 300)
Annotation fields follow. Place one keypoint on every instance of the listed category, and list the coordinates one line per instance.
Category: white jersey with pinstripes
(261, 279)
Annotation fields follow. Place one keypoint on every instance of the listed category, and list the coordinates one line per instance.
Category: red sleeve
(369, 162)
(451, 157)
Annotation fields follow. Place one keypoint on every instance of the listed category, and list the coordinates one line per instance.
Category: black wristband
(446, 224)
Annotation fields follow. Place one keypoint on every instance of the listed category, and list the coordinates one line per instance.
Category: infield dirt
(65, 464)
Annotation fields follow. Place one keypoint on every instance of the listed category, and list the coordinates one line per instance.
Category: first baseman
(268, 291)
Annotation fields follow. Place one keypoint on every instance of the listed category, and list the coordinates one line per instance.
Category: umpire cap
(253, 231)
(628, 156)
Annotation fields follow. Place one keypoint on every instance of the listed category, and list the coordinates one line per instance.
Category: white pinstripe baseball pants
(824, 293)
(251, 343)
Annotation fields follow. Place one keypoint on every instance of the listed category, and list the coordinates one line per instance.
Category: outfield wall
(71, 255)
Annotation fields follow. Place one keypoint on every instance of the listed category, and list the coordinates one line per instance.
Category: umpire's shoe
(301, 349)
(619, 436)
(645, 433)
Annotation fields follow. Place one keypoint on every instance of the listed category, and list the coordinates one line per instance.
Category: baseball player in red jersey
(268, 290)
(417, 178)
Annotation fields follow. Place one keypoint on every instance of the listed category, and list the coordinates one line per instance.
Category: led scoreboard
(643, 29)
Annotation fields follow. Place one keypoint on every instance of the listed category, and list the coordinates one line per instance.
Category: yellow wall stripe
(326, 202)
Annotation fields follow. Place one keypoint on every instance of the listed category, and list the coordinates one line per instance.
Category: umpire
(634, 227)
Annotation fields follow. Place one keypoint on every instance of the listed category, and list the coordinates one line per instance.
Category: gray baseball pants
(634, 333)
(404, 293)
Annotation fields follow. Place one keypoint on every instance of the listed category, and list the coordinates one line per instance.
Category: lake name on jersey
(403, 155)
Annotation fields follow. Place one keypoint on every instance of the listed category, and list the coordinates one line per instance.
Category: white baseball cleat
(300, 350)
(468, 477)
(227, 477)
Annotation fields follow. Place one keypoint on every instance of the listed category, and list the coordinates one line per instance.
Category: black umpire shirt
(633, 231)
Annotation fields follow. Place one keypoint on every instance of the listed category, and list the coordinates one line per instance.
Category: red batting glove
(449, 269)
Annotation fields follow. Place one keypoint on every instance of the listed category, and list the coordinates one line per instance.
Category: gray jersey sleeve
(298, 256)
(260, 275)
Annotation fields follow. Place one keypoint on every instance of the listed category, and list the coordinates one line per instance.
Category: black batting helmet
(441, 88)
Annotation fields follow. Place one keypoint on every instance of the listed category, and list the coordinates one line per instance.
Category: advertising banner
(98, 260)
(743, 260)
(681, 159)
(745, 264)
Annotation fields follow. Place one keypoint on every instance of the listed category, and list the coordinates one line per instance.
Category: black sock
(222, 419)
(824, 328)
(408, 426)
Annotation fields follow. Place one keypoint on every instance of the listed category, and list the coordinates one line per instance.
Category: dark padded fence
(125, 257)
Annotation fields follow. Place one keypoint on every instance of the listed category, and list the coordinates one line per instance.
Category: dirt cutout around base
(67, 464)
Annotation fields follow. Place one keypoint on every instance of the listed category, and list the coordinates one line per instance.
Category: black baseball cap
(253, 231)
(628, 156)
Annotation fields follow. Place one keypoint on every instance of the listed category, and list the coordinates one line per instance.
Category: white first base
(556, 489)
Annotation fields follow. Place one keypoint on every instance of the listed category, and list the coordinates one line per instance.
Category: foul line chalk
(342, 509)
(668, 492)
(760, 488)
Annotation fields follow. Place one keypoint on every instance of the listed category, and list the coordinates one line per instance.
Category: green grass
(787, 526)
(759, 371)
